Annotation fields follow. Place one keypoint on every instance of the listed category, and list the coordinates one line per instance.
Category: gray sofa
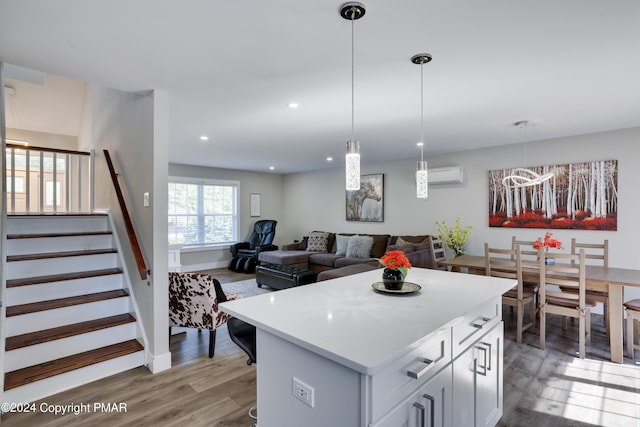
(330, 265)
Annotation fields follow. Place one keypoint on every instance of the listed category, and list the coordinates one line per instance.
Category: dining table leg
(615, 322)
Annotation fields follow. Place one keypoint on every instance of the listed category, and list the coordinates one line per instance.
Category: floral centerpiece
(397, 266)
(548, 243)
(454, 237)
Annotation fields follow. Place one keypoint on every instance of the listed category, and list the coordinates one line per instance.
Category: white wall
(269, 186)
(43, 139)
(315, 200)
(137, 140)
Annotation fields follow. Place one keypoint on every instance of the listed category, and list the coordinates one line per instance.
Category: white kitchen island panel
(345, 340)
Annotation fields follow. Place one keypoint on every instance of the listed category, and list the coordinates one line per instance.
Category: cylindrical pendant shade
(422, 180)
(352, 162)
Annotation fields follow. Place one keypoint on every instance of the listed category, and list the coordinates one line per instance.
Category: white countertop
(348, 322)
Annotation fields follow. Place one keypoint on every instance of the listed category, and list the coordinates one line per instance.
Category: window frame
(201, 215)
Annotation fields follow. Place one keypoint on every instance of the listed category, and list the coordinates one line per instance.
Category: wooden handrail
(137, 252)
(50, 150)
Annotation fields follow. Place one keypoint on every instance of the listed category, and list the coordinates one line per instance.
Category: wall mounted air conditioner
(446, 175)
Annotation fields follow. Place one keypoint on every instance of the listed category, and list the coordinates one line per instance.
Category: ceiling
(230, 69)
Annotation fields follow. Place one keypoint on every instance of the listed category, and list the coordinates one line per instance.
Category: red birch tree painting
(578, 196)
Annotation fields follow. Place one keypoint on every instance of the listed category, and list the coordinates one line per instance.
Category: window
(19, 183)
(202, 212)
(49, 193)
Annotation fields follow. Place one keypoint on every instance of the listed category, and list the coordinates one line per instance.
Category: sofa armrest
(265, 248)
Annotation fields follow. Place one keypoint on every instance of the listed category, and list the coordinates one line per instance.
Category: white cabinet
(477, 381)
(431, 406)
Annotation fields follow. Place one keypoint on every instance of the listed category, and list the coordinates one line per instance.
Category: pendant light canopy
(352, 11)
(422, 176)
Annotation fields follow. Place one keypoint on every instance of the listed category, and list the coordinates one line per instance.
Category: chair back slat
(527, 247)
(438, 252)
(593, 251)
(505, 263)
(568, 272)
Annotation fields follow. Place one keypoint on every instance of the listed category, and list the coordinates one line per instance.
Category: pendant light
(422, 178)
(523, 177)
(352, 11)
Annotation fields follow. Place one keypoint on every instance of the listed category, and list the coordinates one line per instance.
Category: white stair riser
(39, 245)
(57, 224)
(47, 266)
(63, 289)
(17, 325)
(45, 352)
(47, 387)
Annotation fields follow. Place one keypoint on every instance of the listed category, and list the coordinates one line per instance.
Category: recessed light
(329, 159)
(204, 138)
(271, 168)
(293, 105)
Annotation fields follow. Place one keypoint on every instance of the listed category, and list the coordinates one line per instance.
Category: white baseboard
(204, 266)
(159, 363)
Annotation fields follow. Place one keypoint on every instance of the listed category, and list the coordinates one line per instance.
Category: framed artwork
(367, 203)
(580, 196)
(255, 204)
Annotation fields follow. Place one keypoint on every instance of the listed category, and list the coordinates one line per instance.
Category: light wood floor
(541, 388)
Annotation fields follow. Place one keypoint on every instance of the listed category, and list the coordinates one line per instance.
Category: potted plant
(548, 243)
(454, 237)
(397, 266)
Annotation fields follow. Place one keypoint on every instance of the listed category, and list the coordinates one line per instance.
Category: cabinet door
(477, 382)
(431, 406)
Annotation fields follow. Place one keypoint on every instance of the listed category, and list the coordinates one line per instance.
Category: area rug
(244, 288)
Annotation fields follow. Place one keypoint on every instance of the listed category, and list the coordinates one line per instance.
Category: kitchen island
(338, 353)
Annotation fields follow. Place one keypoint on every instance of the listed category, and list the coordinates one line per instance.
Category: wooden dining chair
(438, 252)
(633, 317)
(600, 253)
(527, 254)
(507, 263)
(568, 272)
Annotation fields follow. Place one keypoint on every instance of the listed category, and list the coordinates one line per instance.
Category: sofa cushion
(326, 259)
(345, 271)
(401, 240)
(359, 247)
(343, 262)
(285, 257)
(318, 241)
(341, 244)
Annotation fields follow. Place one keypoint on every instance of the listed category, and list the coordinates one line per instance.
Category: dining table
(598, 278)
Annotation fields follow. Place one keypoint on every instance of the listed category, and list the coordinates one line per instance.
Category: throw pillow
(400, 241)
(341, 244)
(318, 241)
(359, 246)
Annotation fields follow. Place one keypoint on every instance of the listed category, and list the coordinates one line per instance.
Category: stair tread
(49, 369)
(33, 307)
(61, 277)
(29, 257)
(74, 234)
(47, 335)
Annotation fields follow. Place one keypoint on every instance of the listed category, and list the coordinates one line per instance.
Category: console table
(339, 353)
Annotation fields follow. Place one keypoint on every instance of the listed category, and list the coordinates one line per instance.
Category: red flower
(548, 243)
(395, 259)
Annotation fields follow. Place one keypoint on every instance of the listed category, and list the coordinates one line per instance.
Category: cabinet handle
(432, 409)
(428, 365)
(487, 358)
(421, 410)
(481, 323)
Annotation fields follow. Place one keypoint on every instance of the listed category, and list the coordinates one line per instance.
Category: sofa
(340, 254)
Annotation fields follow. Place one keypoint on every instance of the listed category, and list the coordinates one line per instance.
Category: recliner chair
(244, 255)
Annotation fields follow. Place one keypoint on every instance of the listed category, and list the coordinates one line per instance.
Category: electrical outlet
(303, 392)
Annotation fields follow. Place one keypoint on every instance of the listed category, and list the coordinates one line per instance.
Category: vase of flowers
(548, 243)
(454, 237)
(396, 268)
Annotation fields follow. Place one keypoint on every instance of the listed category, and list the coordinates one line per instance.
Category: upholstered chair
(244, 255)
(193, 303)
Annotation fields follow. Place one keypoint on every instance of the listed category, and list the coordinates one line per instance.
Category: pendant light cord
(353, 14)
(421, 112)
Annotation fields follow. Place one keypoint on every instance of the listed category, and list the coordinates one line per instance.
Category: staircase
(70, 319)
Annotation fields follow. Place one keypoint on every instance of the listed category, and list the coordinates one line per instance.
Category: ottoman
(278, 276)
